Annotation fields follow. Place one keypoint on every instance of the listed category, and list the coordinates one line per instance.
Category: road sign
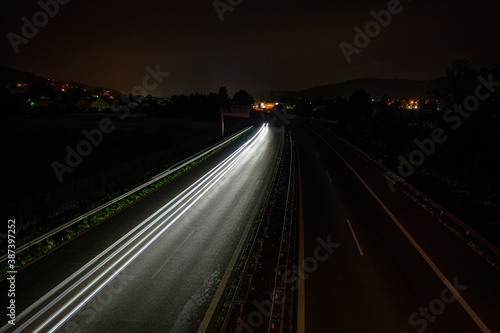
(241, 111)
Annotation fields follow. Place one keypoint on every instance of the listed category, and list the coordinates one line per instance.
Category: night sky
(260, 45)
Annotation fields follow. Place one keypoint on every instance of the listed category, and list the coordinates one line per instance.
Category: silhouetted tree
(243, 98)
(458, 82)
(223, 98)
(360, 105)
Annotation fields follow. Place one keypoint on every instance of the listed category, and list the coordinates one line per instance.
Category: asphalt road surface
(374, 260)
(159, 265)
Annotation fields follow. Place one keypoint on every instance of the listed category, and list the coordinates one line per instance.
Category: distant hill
(10, 76)
(376, 88)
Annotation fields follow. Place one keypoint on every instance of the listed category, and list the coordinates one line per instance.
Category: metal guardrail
(443, 212)
(154, 179)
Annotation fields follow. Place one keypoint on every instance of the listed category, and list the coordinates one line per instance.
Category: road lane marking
(424, 255)
(173, 254)
(328, 175)
(195, 199)
(136, 232)
(301, 307)
(355, 238)
(209, 184)
(216, 173)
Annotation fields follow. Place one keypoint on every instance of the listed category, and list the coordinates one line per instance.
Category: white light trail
(184, 200)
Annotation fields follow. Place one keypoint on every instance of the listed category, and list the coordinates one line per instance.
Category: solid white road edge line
(102, 285)
(174, 202)
(436, 270)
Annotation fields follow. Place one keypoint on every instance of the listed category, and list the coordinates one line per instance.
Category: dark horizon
(257, 47)
(257, 93)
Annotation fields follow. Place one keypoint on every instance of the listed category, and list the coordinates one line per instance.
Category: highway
(391, 266)
(160, 265)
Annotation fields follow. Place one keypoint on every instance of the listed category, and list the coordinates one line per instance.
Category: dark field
(136, 149)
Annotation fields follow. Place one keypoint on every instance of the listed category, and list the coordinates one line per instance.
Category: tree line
(25, 102)
(463, 171)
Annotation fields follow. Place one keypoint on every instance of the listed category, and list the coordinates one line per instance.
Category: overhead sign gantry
(239, 111)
